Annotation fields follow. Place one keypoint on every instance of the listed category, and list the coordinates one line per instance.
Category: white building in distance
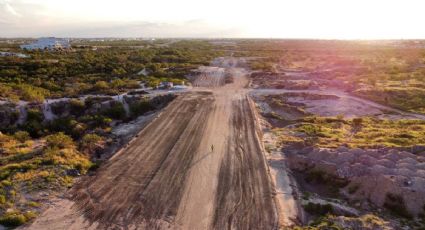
(48, 44)
(11, 54)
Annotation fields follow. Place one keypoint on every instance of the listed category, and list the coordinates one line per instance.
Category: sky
(316, 19)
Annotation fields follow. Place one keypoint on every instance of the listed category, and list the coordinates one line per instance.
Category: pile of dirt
(388, 178)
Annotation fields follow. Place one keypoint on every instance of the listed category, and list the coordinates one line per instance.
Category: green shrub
(96, 121)
(13, 219)
(101, 85)
(116, 111)
(309, 129)
(140, 107)
(33, 204)
(34, 128)
(22, 136)
(29, 215)
(59, 140)
(77, 107)
(32, 93)
(68, 126)
(34, 115)
(2, 199)
(6, 183)
(90, 142)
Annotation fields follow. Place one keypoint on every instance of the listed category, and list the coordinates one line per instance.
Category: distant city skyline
(321, 19)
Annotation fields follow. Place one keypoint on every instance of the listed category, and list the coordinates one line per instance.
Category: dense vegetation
(368, 132)
(29, 166)
(100, 69)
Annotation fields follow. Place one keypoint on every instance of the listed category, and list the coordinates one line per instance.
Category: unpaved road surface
(210, 76)
(199, 165)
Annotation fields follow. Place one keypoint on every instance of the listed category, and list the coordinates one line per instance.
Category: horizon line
(220, 38)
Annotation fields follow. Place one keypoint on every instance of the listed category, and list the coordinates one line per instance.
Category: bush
(34, 115)
(34, 128)
(60, 140)
(13, 219)
(116, 112)
(91, 142)
(2, 199)
(118, 84)
(96, 121)
(140, 107)
(68, 126)
(309, 129)
(32, 93)
(22, 136)
(101, 85)
(77, 106)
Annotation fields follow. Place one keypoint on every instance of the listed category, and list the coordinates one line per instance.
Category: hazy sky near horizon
(326, 19)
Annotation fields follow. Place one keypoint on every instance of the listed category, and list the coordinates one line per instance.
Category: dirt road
(199, 165)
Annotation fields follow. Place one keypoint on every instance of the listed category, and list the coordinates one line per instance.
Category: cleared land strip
(244, 199)
(144, 183)
(199, 165)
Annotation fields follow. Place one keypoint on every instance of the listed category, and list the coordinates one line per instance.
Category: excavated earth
(198, 165)
(374, 174)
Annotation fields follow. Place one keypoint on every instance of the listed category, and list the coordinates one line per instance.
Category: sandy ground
(286, 188)
(198, 165)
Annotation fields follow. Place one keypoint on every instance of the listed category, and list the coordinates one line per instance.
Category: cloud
(7, 12)
(191, 28)
(11, 10)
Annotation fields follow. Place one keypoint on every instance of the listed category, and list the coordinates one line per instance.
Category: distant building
(48, 44)
(11, 54)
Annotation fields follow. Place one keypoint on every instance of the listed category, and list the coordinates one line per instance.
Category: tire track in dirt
(244, 194)
(143, 185)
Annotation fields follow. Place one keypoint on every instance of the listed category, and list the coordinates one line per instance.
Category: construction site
(199, 164)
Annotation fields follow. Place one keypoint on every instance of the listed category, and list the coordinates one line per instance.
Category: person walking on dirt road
(212, 148)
